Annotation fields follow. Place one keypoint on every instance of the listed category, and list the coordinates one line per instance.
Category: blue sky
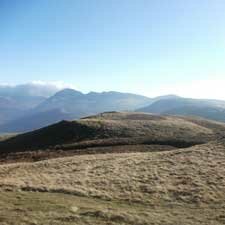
(150, 47)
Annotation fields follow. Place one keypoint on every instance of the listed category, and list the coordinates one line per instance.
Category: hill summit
(116, 128)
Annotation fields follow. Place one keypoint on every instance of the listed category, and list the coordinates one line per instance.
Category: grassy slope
(155, 185)
(33, 208)
(185, 185)
(112, 125)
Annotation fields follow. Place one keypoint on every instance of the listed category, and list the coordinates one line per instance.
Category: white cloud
(56, 84)
(34, 88)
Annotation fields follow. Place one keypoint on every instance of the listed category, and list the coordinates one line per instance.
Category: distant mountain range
(28, 107)
(64, 105)
(209, 109)
(15, 101)
(79, 104)
(12, 107)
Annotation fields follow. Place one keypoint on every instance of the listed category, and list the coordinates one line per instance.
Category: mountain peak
(68, 92)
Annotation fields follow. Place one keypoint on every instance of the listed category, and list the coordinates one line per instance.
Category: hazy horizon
(48, 89)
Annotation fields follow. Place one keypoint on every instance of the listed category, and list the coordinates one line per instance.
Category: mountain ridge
(26, 113)
(209, 109)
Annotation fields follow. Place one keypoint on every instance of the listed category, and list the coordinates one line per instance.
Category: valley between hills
(115, 168)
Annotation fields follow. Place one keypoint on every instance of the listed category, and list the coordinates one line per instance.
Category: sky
(149, 47)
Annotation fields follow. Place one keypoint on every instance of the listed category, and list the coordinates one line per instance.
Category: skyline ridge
(52, 87)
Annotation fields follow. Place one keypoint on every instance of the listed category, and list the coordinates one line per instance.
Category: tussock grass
(183, 185)
(132, 176)
(53, 208)
(138, 183)
(111, 126)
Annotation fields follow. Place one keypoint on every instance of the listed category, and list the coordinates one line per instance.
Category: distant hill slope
(13, 107)
(70, 104)
(22, 111)
(17, 101)
(123, 127)
(209, 109)
(79, 104)
(32, 121)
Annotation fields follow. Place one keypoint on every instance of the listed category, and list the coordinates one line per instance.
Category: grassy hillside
(185, 186)
(121, 127)
(160, 170)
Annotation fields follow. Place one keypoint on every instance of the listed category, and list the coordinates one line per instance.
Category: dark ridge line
(41, 155)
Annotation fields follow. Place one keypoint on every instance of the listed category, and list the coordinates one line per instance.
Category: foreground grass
(53, 208)
(191, 175)
(181, 186)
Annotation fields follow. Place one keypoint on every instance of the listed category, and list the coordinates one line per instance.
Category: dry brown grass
(111, 126)
(35, 208)
(132, 176)
(165, 183)
(136, 184)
